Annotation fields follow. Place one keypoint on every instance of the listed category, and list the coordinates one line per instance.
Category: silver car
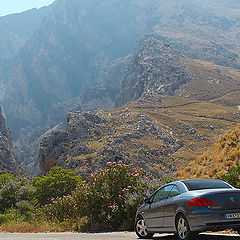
(189, 207)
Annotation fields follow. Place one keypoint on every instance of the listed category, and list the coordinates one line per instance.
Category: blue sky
(16, 6)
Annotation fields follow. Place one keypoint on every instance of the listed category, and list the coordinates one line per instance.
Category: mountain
(7, 156)
(224, 153)
(15, 31)
(72, 45)
(81, 55)
(75, 42)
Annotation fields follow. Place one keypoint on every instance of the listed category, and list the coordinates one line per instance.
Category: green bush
(13, 193)
(232, 176)
(7, 177)
(57, 183)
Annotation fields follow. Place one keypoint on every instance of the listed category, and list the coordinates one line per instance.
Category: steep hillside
(7, 157)
(75, 43)
(15, 31)
(211, 85)
(154, 133)
(224, 153)
(155, 69)
(211, 82)
(203, 30)
(158, 68)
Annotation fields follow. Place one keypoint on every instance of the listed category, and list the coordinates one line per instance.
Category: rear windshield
(205, 184)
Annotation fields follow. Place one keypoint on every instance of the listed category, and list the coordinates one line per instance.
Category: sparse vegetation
(222, 158)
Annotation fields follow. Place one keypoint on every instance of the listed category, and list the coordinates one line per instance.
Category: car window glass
(174, 192)
(162, 193)
(205, 184)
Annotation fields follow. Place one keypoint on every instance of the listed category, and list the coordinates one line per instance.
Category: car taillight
(201, 202)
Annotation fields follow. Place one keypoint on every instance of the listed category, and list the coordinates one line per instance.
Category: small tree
(57, 183)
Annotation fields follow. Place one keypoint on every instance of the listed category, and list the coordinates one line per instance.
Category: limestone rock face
(155, 69)
(155, 133)
(91, 140)
(54, 148)
(7, 157)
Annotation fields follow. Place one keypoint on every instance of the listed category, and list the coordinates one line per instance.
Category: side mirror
(147, 200)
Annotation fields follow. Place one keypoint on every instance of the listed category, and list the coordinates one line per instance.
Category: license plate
(232, 215)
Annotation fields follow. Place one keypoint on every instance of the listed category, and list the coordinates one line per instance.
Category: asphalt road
(105, 236)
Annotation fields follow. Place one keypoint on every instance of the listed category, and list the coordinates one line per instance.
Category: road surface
(104, 236)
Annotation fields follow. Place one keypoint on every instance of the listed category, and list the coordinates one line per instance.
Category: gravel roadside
(105, 236)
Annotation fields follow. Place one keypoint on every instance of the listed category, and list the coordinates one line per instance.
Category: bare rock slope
(7, 157)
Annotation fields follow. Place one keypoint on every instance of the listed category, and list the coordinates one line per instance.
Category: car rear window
(205, 184)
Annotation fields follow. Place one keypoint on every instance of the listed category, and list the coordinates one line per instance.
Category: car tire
(141, 229)
(183, 229)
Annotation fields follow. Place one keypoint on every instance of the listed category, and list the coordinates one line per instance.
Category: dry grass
(207, 120)
(25, 227)
(210, 81)
(224, 153)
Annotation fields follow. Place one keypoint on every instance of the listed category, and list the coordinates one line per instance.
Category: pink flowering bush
(109, 190)
(61, 209)
(108, 198)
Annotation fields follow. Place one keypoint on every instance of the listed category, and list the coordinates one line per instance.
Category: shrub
(14, 194)
(7, 177)
(108, 199)
(57, 183)
(232, 176)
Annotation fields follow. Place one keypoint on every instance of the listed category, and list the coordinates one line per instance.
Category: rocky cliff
(155, 69)
(7, 157)
(73, 44)
(15, 31)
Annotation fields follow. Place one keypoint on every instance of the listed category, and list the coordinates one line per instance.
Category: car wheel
(183, 229)
(141, 229)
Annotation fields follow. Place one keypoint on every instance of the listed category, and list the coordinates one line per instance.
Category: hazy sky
(16, 6)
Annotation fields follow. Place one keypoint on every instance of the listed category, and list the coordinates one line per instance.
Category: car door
(170, 207)
(154, 215)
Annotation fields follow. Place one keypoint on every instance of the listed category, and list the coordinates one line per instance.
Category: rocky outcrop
(7, 157)
(155, 69)
(153, 133)
(54, 149)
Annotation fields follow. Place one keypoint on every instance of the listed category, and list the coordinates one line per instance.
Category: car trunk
(226, 199)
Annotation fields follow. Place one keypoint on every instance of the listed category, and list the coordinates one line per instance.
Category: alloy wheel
(141, 228)
(182, 228)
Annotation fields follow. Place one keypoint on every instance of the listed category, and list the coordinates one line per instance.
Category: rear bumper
(212, 220)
